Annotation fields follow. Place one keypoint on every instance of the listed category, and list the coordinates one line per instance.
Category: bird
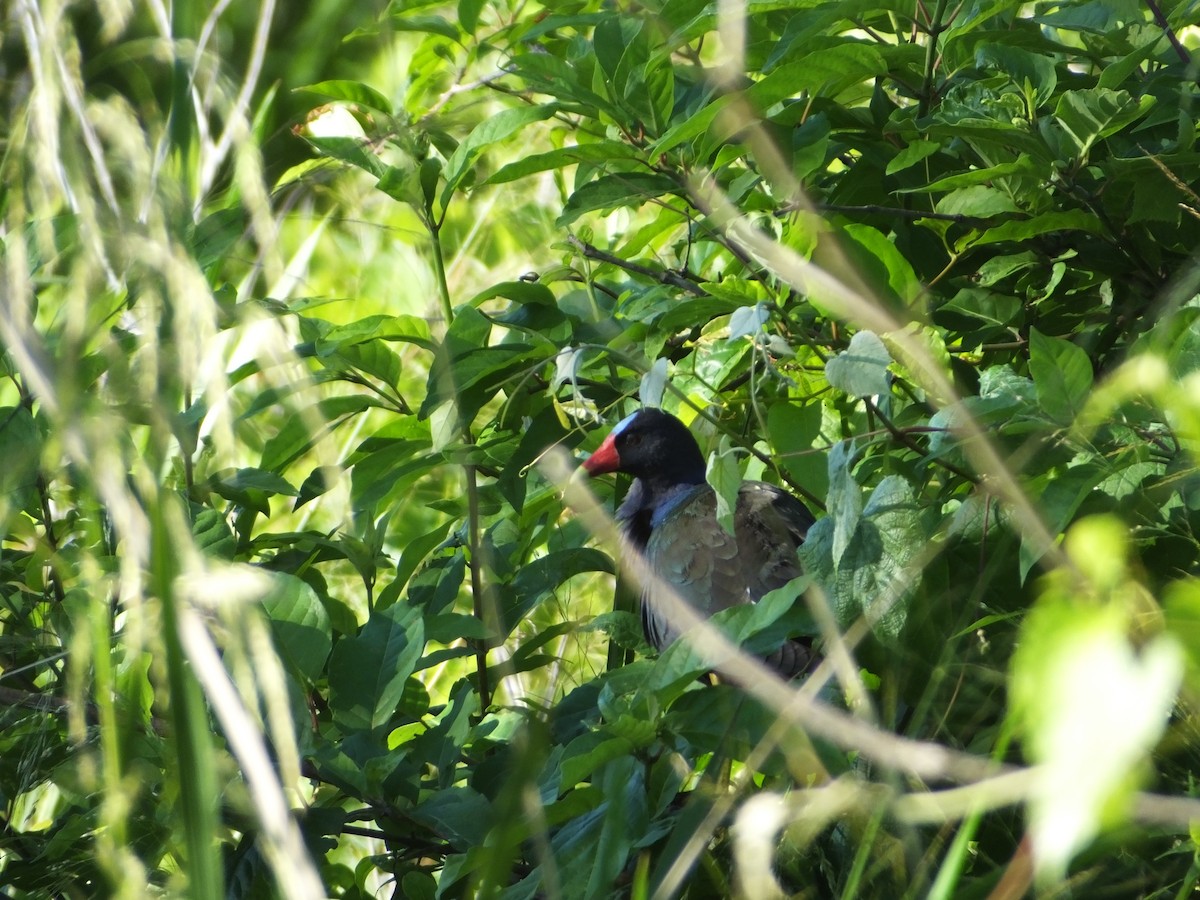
(669, 516)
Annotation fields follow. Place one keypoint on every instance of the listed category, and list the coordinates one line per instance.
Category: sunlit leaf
(861, 369)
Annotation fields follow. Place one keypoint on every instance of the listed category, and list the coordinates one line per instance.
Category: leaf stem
(934, 31)
(439, 269)
(472, 484)
(475, 568)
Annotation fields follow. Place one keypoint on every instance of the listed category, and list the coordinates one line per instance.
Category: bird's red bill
(605, 459)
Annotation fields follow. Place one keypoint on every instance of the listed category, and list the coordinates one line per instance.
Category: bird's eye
(632, 440)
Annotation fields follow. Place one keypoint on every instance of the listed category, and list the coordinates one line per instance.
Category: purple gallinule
(670, 517)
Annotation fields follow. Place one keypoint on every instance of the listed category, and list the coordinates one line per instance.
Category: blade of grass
(189, 719)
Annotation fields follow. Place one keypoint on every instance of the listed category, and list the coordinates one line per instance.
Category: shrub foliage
(301, 324)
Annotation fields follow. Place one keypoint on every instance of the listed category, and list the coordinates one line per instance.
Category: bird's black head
(650, 444)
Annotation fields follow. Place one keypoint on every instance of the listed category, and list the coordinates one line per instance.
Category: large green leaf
(20, 447)
(367, 672)
(1087, 116)
(1062, 374)
(596, 153)
(351, 92)
(873, 575)
(301, 625)
(611, 192)
(861, 370)
(492, 130)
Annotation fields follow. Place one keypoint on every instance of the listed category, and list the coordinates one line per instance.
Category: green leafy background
(307, 308)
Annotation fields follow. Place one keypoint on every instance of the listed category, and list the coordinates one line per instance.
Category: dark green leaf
(1086, 116)
(367, 672)
(613, 191)
(353, 151)
(301, 625)
(600, 152)
(1062, 374)
(976, 202)
(873, 574)
(1023, 229)
(21, 446)
(255, 479)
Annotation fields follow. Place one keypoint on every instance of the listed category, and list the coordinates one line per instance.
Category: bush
(299, 597)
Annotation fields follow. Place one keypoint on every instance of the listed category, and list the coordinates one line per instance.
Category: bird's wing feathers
(714, 570)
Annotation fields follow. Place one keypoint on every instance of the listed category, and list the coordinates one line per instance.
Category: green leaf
(824, 71)
(748, 321)
(351, 92)
(561, 79)
(405, 20)
(302, 628)
(414, 553)
(654, 383)
(213, 535)
(978, 202)
(794, 432)
(522, 292)
(1060, 494)
(460, 814)
(1089, 753)
(1047, 223)
(614, 39)
(468, 15)
(861, 370)
(21, 448)
(446, 628)
(873, 574)
(912, 154)
(369, 358)
(490, 131)
(1117, 73)
(470, 372)
(249, 478)
(599, 152)
(389, 463)
(298, 434)
(589, 752)
(412, 329)
(1062, 374)
(1030, 72)
(725, 477)
(845, 501)
(436, 587)
(367, 672)
(987, 176)
(990, 307)
(1089, 115)
(538, 578)
(353, 151)
(611, 192)
(319, 481)
(443, 744)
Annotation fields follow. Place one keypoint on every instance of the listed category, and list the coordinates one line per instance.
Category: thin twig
(665, 276)
(1168, 32)
(903, 437)
(901, 213)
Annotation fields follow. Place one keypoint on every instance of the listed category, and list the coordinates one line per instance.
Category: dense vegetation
(301, 319)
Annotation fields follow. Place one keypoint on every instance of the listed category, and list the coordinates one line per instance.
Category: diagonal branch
(666, 276)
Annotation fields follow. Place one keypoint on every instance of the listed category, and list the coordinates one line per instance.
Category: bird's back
(710, 568)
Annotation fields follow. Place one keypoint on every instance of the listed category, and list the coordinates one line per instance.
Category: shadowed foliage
(307, 314)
